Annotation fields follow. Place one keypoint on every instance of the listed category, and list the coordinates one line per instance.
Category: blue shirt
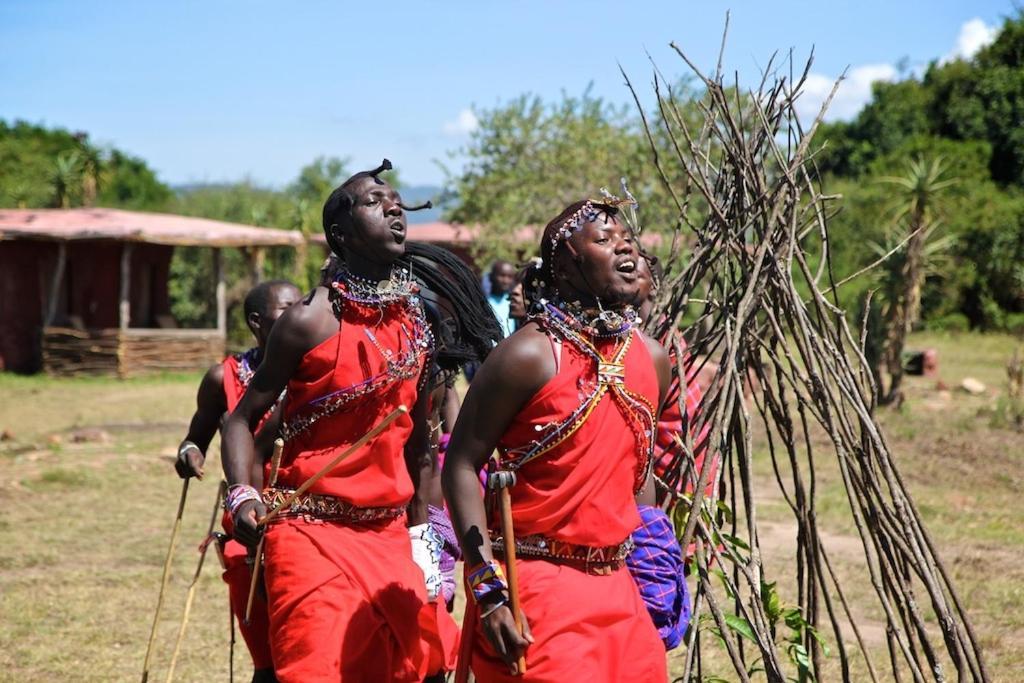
(502, 306)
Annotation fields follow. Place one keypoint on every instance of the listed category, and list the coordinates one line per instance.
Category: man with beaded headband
(570, 402)
(346, 600)
(219, 392)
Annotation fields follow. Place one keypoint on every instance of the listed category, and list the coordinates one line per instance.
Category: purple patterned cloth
(450, 553)
(657, 567)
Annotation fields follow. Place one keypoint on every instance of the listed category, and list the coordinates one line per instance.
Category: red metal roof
(136, 226)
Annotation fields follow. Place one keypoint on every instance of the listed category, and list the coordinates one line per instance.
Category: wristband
(426, 553)
(186, 446)
(486, 579)
(493, 608)
(238, 494)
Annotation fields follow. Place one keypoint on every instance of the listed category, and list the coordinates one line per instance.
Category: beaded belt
(326, 508)
(592, 560)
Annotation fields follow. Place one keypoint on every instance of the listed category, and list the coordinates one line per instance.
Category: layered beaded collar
(399, 286)
(592, 322)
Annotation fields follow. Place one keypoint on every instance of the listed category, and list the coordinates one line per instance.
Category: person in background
(502, 279)
(220, 391)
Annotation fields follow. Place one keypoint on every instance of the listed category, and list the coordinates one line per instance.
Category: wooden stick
(166, 575)
(195, 579)
(394, 415)
(275, 465)
(510, 566)
(469, 619)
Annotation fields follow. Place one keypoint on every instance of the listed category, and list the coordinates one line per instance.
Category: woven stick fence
(751, 255)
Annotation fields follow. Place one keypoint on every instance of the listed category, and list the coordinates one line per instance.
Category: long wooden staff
(166, 575)
(221, 490)
(510, 565)
(275, 464)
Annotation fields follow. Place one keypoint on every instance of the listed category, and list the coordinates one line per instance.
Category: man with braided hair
(346, 600)
(221, 389)
(570, 401)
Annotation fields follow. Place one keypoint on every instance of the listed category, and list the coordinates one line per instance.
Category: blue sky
(224, 89)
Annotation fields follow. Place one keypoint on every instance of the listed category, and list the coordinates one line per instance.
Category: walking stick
(503, 481)
(195, 578)
(275, 464)
(163, 581)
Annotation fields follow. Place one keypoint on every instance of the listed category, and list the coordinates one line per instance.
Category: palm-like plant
(917, 219)
(66, 178)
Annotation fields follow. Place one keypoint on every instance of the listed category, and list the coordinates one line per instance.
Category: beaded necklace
(399, 294)
(377, 293)
(580, 330)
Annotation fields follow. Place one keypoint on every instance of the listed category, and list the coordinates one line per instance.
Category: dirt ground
(89, 493)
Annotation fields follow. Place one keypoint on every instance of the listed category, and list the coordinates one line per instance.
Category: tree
(916, 212)
(527, 160)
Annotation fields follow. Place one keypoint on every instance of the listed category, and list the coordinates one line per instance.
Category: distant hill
(411, 194)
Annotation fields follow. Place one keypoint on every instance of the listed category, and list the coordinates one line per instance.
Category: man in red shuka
(219, 392)
(570, 401)
(346, 599)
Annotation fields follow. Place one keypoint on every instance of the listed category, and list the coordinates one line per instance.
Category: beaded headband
(589, 212)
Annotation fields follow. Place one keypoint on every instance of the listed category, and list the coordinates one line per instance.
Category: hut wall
(26, 267)
(129, 353)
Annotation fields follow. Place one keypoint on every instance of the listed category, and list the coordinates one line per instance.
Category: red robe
(237, 574)
(671, 423)
(346, 600)
(587, 627)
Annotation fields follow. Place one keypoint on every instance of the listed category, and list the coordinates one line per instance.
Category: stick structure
(508, 532)
(275, 465)
(166, 575)
(751, 265)
(391, 417)
(221, 490)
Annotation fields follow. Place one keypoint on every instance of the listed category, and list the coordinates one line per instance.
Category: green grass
(84, 526)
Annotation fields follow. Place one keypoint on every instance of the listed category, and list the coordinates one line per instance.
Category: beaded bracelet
(486, 579)
(238, 494)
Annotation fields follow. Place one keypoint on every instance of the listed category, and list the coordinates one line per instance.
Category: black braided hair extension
(452, 285)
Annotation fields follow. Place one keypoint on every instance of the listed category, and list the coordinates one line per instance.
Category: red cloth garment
(346, 599)
(581, 490)
(346, 602)
(671, 424)
(585, 628)
(376, 475)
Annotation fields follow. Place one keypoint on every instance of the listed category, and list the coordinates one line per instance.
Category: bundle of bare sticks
(750, 254)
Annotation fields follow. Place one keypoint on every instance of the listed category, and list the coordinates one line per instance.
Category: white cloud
(974, 35)
(854, 92)
(466, 122)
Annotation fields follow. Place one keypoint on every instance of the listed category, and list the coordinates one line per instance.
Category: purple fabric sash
(657, 567)
(450, 553)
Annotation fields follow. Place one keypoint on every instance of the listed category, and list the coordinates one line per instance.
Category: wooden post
(56, 283)
(222, 311)
(257, 257)
(125, 307)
